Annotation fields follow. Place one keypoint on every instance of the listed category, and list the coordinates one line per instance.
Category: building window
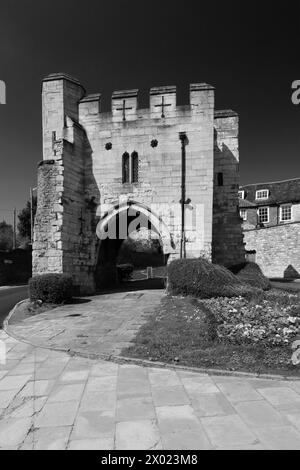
(285, 213)
(263, 215)
(262, 194)
(125, 167)
(220, 179)
(242, 194)
(243, 214)
(134, 167)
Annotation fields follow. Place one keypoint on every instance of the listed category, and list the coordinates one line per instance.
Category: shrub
(52, 288)
(200, 278)
(124, 271)
(252, 274)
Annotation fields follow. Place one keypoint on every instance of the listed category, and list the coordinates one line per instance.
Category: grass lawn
(253, 335)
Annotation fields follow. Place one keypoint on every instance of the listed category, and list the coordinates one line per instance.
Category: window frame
(262, 191)
(134, 157)
(125, 158)
(285, 206)
(243, 194)
(243, 217)
(258, 215)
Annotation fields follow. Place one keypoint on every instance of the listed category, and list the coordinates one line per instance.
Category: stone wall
(277, 249)
(47, 253)
(228, 245)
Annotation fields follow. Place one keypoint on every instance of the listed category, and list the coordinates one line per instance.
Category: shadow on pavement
(136, 285)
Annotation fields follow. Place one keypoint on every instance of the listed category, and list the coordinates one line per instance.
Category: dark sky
(248, 50)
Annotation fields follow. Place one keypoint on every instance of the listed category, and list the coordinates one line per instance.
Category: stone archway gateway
(120, 223)
(93, 161)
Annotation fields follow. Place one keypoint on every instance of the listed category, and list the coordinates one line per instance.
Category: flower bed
(273, 319)
(253, 334)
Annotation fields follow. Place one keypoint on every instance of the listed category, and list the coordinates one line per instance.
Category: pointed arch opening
(132, 233)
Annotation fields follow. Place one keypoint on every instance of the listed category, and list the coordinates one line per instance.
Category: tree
(24, 225)
(6, 236)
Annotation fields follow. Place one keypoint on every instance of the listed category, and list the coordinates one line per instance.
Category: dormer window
(241, 194)
(262, 194)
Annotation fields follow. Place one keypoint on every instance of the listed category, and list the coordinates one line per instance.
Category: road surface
(9, 296)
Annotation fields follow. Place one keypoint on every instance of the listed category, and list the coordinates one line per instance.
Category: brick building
(100, 167)
(271, 225)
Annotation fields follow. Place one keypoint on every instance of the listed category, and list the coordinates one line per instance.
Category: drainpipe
(183, 139)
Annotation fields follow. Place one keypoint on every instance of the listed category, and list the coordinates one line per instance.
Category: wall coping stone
(63, 76)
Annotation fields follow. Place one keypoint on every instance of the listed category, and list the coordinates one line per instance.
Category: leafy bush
(252, 274)
(124, 271)
(52, 288)
(200, 278)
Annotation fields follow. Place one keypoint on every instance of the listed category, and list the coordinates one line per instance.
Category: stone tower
(99, 166)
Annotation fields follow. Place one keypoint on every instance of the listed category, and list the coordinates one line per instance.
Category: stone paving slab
(103, 324)
(92, 404)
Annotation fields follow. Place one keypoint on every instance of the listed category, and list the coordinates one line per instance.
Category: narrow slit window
(134, 167)
(220, 179)
(125, 167)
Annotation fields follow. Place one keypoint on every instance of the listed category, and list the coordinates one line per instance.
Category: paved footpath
(102, 324)
(50, 400)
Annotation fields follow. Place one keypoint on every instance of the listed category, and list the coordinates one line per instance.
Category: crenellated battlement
(124, 103)
(162, 103)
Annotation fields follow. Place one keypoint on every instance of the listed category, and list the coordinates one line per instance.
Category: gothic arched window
(134, 167)
(125, 167)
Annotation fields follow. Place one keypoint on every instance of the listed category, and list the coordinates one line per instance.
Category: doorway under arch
(122, 225)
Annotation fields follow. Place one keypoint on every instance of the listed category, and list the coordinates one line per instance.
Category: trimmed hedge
(51, 288)
(202, 279)
(252, 275)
